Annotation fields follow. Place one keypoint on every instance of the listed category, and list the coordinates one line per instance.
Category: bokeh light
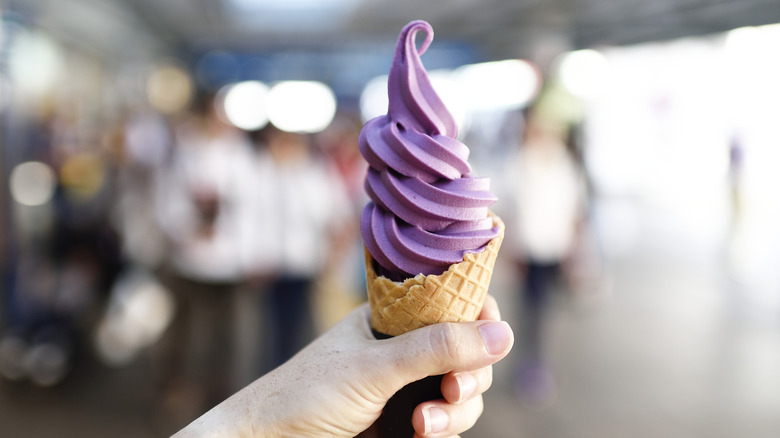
(583, 72)
(169, 88)
(301, 106)
(244, 104)
(82, 175)
(373, 99)
(499, 85)
(35, 63)
(32, 183)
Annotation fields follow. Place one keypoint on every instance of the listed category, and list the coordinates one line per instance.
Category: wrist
(246, 414)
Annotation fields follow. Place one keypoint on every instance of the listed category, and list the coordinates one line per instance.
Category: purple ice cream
(426, 211)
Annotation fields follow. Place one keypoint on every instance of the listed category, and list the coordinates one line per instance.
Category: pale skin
(338, 385)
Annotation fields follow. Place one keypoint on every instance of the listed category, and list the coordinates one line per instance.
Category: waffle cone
(454, 296)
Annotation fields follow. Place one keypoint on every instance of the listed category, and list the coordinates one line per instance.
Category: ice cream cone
(454, 296)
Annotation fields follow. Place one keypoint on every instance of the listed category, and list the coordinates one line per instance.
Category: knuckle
(445, 341)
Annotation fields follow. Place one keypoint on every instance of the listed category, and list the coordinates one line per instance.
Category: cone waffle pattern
(456, 295)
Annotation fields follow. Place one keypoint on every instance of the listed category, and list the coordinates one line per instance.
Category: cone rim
(375, 281)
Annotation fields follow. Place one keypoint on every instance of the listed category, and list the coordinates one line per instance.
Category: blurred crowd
(157, 226)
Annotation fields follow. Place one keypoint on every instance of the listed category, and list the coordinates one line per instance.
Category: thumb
(441, 348)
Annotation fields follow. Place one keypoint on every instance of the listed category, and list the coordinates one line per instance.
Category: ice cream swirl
(426, 211)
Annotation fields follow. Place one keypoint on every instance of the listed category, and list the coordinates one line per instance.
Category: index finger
(490, 310)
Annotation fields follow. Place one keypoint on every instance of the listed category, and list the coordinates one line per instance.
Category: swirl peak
(426, 209)
(417, 106)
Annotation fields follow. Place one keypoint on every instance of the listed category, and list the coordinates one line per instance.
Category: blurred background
(180, 186)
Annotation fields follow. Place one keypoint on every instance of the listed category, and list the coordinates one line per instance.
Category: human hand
(338, 385)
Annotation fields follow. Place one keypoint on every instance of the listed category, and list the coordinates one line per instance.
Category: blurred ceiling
(496, 28)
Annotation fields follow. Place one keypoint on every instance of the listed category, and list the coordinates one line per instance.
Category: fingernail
(467, 385)
(436, 420)
(496, 336)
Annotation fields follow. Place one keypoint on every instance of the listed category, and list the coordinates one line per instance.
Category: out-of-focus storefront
(680, 138)
(65, 96)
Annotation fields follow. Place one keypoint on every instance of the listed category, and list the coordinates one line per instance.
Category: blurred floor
(93, 402)
(676, 349)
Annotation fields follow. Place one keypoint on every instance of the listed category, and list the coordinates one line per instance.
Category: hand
(338, 385)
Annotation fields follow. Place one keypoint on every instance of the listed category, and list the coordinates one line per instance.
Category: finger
(462, 386)
(438, 418)
(490, 310)
(441, 348)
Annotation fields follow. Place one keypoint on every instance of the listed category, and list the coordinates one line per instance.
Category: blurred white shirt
(549, 201)
(217, 166)
(295, 208)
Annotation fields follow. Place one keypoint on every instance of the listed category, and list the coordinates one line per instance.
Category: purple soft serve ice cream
(426, 209)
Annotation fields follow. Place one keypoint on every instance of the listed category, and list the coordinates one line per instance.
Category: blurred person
(146, 148)
(338, 385)
(38, 339)
(140, 143)
(64, 265)
(301, 206)
(199, 204)
(549, 201)
(56, 283)
(28, 272)
(736, 176)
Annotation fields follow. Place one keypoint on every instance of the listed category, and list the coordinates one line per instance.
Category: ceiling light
(301, 106)
(245, 105)
(498, 85)
(583, 72)
(35, 63)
